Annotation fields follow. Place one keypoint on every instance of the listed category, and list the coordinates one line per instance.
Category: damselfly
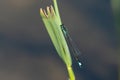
(75, 51)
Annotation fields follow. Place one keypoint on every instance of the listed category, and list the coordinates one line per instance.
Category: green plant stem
(57, 11)
(71, 73)
(52, 21)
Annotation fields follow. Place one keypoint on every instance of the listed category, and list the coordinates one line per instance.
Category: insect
(75, 51)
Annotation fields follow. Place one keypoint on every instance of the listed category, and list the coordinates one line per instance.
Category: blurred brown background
(26, 51)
